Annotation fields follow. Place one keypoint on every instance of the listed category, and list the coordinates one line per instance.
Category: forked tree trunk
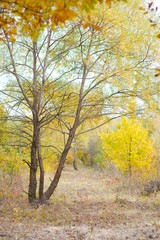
(36, 161)
(46, 196)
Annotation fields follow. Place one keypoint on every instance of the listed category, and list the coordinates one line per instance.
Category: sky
(157, 2)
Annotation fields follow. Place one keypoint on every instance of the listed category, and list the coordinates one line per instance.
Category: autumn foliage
(31, 16)
(129, 147)
(70, 70)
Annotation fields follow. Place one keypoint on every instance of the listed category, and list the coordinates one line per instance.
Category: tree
(31, 17)
(10, 160)
(129, 147)
(69, 76)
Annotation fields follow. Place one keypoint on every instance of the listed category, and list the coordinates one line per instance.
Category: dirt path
(87, 206)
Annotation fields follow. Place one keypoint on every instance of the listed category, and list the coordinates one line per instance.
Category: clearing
(87, 206)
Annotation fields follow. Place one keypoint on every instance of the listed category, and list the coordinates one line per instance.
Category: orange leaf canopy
(33, 15)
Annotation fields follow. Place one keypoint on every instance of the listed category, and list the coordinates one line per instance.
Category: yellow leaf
(12, 38)
(108, 3)
(158, 35)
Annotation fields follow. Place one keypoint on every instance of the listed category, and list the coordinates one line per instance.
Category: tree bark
(74, 156)
(53, 185)
(130, 159)
(33, 171)
(75, 164)
(41, 167)
(34, 108)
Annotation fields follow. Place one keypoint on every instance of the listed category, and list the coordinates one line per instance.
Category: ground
(87, 205)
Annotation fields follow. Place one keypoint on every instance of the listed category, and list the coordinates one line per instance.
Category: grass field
(87, 205)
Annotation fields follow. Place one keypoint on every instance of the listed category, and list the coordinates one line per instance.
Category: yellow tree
(129, 147)
(10, 161)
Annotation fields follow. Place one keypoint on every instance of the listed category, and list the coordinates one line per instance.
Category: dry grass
(85, 205)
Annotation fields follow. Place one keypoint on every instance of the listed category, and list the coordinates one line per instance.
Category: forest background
(80, 86)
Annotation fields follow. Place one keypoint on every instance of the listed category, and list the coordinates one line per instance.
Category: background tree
(129, 147)
(10, 159)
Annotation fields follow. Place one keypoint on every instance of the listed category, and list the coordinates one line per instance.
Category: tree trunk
(34, 155)
(33, 171)
(53, 185)
(41, 167)
(130, 160)
(74, 156)
(34, 163)
(91, 160)
(41, 181)
(75, 164)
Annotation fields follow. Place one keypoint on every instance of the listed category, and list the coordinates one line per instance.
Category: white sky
(157, 3)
